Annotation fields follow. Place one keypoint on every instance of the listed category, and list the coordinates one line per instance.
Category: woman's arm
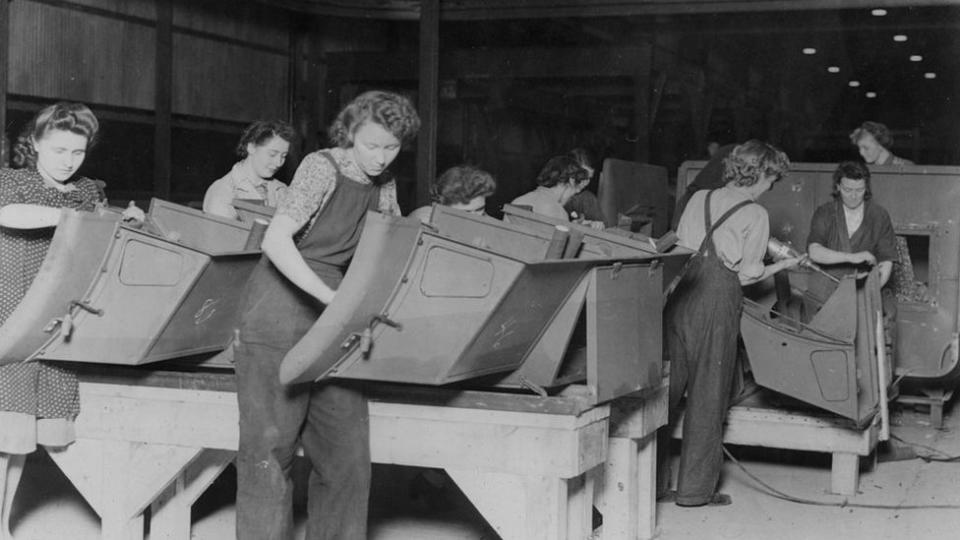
(28, 216)
(278, 246)
(770, 270)
(824, 255)
(218, 200)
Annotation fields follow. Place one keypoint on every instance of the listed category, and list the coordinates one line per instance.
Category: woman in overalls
(307, 248)
(730, 232)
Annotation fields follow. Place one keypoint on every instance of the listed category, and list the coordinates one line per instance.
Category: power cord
(946, 458)
(774, 492)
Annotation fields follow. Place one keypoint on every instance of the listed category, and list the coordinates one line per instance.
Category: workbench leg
(580, 495)
(170, 513)
(845, 473)
(530, 507)
(119, 479)
(627, 491)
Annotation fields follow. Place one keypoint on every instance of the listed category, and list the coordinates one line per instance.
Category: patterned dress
(38, 401)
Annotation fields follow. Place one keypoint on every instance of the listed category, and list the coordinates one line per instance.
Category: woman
(874, 141)
(38, 401)
(561, 178)
(307, 248)
(584, 207)
(462, 187)
(262, 150)
(702, 317)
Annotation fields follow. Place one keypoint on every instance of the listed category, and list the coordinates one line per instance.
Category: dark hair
(750, 161)
(583, 156)
(261, 131)
(391, 111)
(63, 116)
(854, 170)
(559, 170)
(461, 184)
(877, 130)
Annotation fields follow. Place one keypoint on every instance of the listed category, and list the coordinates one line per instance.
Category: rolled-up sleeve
(755, 237)
(311, 186)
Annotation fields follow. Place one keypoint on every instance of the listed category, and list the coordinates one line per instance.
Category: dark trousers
(330, 421)
(703, 322)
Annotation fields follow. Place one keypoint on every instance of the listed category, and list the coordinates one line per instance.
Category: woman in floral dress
(38, 401)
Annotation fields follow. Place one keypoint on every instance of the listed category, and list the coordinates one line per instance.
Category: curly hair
(750, 161)
(877, 130)
(561, 169)
(63, 116)
(462, 184)
(261, 131)
(392, 111)
(854, 170)
(583, 156)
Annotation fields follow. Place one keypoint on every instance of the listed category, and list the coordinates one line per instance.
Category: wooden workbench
(757, 422)
(529, 464)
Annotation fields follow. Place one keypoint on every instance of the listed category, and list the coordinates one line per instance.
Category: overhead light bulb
(833, 69)
(871, 95)
(916, 58)
(854, 84)
(878, 12)
(900, 38)
(809, 50)
(929, 75)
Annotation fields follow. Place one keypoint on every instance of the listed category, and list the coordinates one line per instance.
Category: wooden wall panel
(146, 9)
(65, 54)
(250, 22)
(228, 82)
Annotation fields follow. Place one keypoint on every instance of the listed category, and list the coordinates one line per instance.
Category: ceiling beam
(524, 9)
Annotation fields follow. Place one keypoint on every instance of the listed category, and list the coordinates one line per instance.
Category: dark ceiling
(759, 40)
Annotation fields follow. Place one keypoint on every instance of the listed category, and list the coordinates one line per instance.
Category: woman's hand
(595, 225)
(863, 257)
(133, 214)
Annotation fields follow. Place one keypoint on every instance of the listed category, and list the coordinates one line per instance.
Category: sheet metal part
(829, 362)
(926, 220)
(165, 290)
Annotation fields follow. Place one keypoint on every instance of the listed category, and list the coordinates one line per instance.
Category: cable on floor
(944, 457)
(774, 492)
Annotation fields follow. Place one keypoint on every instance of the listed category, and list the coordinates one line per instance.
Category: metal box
(110, 293)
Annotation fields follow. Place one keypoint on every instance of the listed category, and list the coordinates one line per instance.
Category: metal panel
(73, 261)
(423, 332)
(144, 297)
(831, 362)
(636, 190)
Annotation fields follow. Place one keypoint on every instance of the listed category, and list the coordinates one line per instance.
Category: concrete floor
(47, 508)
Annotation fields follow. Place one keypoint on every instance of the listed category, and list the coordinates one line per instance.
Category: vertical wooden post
(642, 107)
(163, 101)
(429, 89)
(5, 143)
(306, 98)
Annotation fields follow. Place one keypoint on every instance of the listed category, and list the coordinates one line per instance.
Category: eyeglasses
(853, 191)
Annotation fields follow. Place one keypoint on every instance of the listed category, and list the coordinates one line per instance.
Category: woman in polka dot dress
(38, 401)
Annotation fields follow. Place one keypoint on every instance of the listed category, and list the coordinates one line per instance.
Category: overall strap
(711, 227)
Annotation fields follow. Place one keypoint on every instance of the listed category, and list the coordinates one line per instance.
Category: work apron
(328, 420)
(703, 322)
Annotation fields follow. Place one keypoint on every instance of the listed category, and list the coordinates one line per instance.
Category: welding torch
(780, 250)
